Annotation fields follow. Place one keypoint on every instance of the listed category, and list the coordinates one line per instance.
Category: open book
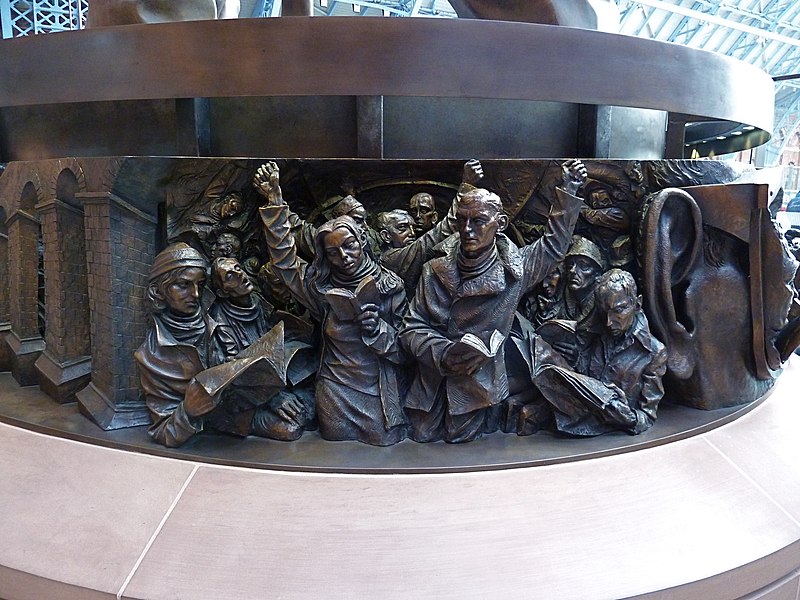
(589, 391)
(557, 331)
(472, 341)
(262, 364)
(349, 304)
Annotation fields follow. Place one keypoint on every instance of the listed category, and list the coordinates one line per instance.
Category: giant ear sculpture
(716, 293)
(671, 242)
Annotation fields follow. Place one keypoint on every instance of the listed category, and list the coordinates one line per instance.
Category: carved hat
(176, 256)
(345, 205)
(584, 247)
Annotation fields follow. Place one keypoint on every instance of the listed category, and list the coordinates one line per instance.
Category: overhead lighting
(720, 137)
(748, 128)
(736, 133)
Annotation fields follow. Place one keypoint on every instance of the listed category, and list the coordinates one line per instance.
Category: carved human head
(351, 207)
(423, 209)
(232, 205)
(227, 245)
(396, 228)
(583, 264)
(340, 244)
(479, 219)
(618, 300)
(176, 280)
(552, 282)
(228, 279)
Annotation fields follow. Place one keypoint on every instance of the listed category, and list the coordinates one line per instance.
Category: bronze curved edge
(295, 56)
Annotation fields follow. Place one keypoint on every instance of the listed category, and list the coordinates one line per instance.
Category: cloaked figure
(176, 361)
(473, 292)
(358, 303)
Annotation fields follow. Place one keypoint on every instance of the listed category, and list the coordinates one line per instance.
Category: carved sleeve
(384, 341)
(613, 218)
(283, 253)
(551, 248)
(652, 387)
(419, 333)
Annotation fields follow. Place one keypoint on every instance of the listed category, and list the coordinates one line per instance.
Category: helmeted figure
(624, 364)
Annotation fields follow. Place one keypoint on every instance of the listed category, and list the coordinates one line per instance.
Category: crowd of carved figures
(405, 323)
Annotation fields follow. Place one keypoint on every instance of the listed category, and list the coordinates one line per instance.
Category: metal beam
(717, 20)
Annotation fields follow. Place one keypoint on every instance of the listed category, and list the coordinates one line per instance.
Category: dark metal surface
(341, 56)
(30, 408)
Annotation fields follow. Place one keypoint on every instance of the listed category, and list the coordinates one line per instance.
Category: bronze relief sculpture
(576, 322)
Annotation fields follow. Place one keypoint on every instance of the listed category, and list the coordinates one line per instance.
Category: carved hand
(462, 363)
(473, 172)
(573, 175)
(292, 410)
(368, 319)
(267, 182)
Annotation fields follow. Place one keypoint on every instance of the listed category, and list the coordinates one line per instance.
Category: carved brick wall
(24, 339)
(65, 365)
(67, 333)
(120, 247)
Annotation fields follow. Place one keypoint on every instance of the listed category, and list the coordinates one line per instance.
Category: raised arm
(278, 235)
(551, 248)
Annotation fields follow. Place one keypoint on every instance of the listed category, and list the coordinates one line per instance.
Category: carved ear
(670, 244)
(502, 221)
(385, 237)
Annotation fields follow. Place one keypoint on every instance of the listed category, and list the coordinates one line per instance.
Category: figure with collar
(404, 252)
(182, 343)
(625, 365)
(475, 289)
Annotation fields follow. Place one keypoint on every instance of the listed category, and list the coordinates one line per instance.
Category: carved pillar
(65, 364)
(24, 339)
(5, 318)
(120, 247)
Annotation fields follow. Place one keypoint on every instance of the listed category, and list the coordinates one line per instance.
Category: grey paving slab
(606, 528)
(76, 513)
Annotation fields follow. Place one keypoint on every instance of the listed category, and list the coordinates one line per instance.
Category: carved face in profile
(398, 229)
(359, 215)
(182, 291)
(342, 250)
(582, 272)
(423, 209)
(229, 279)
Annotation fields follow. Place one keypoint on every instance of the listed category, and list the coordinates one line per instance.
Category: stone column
(24, 339)
(120, 247)
(5, 318)
(65, 364)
